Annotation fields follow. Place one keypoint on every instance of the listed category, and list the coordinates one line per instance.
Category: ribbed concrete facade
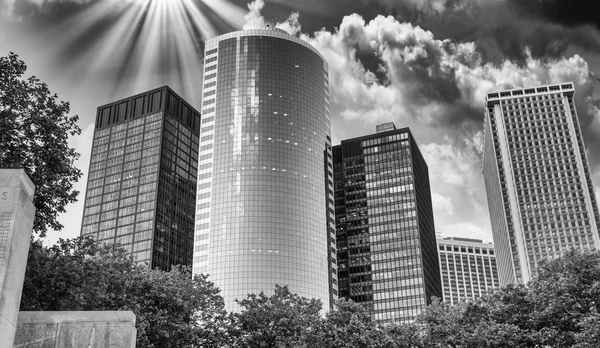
(540, 192)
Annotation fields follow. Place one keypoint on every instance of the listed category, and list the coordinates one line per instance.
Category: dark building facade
(387, 254)
(262, 208)
(141, 189)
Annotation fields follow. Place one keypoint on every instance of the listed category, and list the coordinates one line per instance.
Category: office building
(264, 194)
(387, 255)
(537, 178)
(468, 268)
(142, 179)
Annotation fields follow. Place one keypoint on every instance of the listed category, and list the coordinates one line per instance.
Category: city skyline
(449, 70)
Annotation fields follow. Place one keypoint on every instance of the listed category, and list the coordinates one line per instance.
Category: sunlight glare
(144, 43)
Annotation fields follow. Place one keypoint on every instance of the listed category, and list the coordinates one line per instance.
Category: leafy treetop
(35, 128)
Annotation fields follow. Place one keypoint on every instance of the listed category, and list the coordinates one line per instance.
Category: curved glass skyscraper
(265, 177)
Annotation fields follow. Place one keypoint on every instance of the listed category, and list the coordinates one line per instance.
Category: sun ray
(141, 43)
(231, 13)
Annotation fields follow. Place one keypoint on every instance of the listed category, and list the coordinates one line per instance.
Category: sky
(423, 64)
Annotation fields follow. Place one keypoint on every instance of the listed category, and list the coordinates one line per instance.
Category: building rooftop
(518, 92)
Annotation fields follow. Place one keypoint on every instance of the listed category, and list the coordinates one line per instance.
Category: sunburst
(142, 43)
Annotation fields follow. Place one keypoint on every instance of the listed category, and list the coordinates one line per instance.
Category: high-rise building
(537, 178)
(468, 268)
(142, 179)
(387, 255)
(265, 198)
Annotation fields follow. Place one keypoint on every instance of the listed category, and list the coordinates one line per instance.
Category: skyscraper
(387, 254)
(468, 268)
(264, 194)
(539, 189)
(142, 179)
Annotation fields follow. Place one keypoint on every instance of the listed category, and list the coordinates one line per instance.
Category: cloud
(6, 7)
(254, 18)
(439, 83)
(452, 166)
(46, 11)
(442, 204)
(566, 12)
(291, 25)
(503, 29)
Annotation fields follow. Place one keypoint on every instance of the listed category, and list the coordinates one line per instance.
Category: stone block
(16, 222)
(102, 329)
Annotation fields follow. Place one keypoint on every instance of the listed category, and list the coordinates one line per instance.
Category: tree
(171, 308)
(474, 324)
(284, 319)
(566, 293)
(558, 308)
(589, 336)
(349, 324)
(35, 129)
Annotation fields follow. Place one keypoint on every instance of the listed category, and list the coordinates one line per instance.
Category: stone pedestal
(16, 222)
(104, 329)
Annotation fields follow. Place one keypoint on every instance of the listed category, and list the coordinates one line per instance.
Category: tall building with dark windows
(468, 268)
(141, 189)
(387, 254)
(263, 190)
(537, 178)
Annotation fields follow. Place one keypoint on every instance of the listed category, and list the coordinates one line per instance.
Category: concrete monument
(16, 222)
(103, 329)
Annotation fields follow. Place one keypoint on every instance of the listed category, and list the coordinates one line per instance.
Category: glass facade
(387, 255)
(468, 268)
(262, 216)
(540, 193)
(142, 178)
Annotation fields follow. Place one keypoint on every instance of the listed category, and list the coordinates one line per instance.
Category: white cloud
(6, 7)
(291, 25)
(449, 164)
(254, 18)
(438, 82)
(442, 204)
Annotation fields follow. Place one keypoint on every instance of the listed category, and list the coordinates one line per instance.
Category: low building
(467, 267)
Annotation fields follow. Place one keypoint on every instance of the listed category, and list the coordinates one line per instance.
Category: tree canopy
(35, 128)
(171, 308)
(558, 308)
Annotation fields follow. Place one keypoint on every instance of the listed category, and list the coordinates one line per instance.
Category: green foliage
(171, 308)
(284, 319)
(558, 308)
(35, 128)
(349, 325)
(566, 295)
(288, 320)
